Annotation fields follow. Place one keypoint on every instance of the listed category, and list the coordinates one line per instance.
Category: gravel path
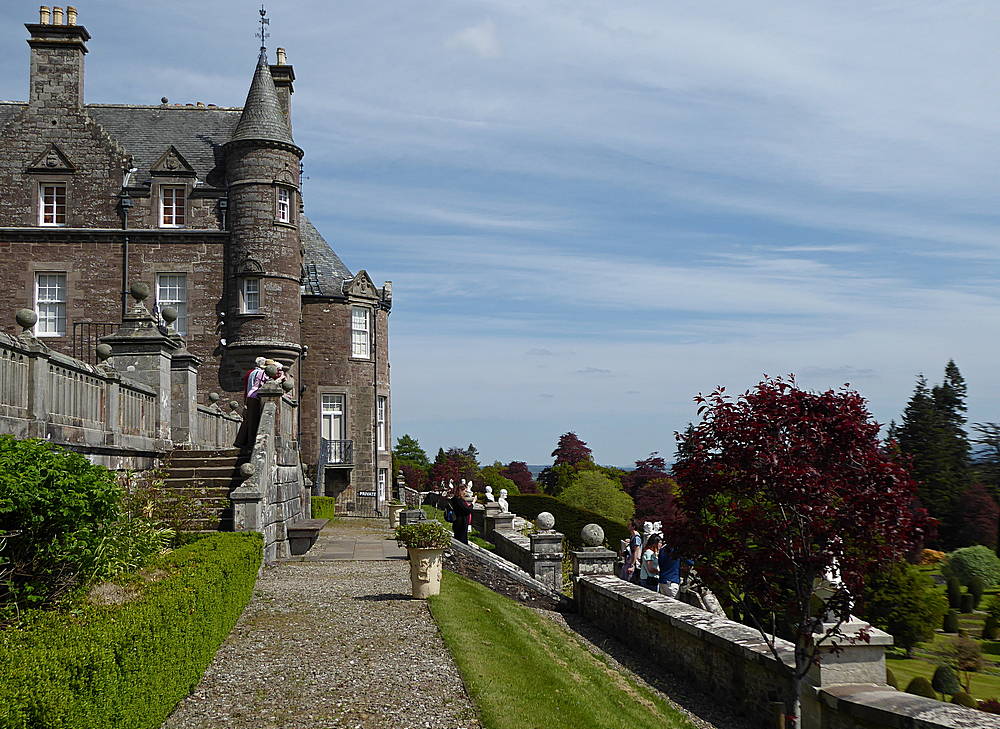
(331, 644)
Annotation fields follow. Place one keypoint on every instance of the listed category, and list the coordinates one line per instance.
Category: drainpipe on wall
(125, 203)
(375, 310)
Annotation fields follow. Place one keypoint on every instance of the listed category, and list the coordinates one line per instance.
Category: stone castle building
(204, 204)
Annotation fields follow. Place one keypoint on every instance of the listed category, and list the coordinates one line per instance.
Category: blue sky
(592, 211)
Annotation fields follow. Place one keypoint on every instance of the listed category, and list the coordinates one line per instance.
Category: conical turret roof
(262, 116)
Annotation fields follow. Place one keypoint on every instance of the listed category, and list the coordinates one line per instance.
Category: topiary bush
(323, 507)
(968, 562)
(570, 520)
(990, 628)
(945, 681)
(964, 699)
(890, 678)
(954, 590)
(920, 686)
(950, 624)
(976, 588)
(127, 665)
(967, 603)
(59, 510)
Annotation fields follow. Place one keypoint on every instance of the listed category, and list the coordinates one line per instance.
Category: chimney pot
(70, 15)
(43, 15)
(282, 58)
(57, 15)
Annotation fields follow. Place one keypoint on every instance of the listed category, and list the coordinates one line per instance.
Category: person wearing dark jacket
(462, 507)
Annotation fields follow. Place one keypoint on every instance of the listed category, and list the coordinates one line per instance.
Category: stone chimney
(283, 76)
(57, 52)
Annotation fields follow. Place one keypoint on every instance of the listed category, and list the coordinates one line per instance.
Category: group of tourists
(651, 562)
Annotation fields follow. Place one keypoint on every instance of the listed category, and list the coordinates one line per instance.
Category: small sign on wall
(366, 494)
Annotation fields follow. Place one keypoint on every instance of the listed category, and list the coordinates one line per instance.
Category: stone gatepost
(501, 522)
(546, 552)
(490, 511)
(38, 374)
(183, 389)
(594, 558)
(142, 353)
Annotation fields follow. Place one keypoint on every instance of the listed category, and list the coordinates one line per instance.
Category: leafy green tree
(556, 479)
(493, 476)
(945, 681)
(966, 655)
(408, 449)
(902, 601)
(969, 562)
(986, 459)
(571, 455)
(596, 492)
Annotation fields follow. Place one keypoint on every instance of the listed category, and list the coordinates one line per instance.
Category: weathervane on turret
(263, 34)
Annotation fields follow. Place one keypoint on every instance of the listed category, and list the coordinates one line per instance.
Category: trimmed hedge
(920, 686)
(127, 665)
(569, 519)
(322, 507)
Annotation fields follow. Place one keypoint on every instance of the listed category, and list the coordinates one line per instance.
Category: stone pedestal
(851, 659)
(501, 522)
(490, 511)
(593, 561)
(546, 558)
(183, 397)
(478, 510)
(411, 516)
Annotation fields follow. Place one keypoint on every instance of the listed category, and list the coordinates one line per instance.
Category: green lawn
(526, 672)
(983, 685)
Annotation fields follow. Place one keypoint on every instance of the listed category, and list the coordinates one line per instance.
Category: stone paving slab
(331, 644)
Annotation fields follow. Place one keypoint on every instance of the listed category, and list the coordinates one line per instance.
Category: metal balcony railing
(336, 452)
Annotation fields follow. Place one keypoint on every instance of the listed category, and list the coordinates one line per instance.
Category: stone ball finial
(271, 370)
(214, 397)
(247, 470)
(287, 385)
(169, 314)
(545, 521)
(233, 405)
(592, 535)
(104, 352)
(140, 291)
(26, 318)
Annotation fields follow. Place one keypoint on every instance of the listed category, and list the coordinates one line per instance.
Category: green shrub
(427, 534)
(954, 590)
(990, 628)
(968, 562)
(127, 665)
(60, 506)
(920, 686)
(964, 699)
(976, 588)
(323, 507)
(994, 607)
(950, 622)
(944, 681)
(890, 678)
(901, 600)
(967, 603)
(593, 491)
(570, 520)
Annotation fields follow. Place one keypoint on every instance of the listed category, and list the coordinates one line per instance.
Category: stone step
(197, 484)
(215, 453)
(233, 462)
(220, 492)
(206, 471)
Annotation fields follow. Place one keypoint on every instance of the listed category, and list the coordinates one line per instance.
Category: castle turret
(265, 255)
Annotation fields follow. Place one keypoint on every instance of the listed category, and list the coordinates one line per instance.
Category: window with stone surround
(173, 206)
(383, 481)
(250, 296)
(50, 304)
(52, 203)
(171, 290)
(284, 202)
(380, 419)
(360, 332)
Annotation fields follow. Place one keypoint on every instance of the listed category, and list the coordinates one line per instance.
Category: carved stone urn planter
(425, 542)
(394, 511)
(425, 572)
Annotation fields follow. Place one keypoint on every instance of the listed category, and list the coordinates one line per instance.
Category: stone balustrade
(539, 554)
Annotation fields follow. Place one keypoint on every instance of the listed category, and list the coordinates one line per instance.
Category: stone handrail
(215, 429)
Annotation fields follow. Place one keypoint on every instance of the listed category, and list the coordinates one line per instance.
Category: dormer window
(173, 206)
(52, 203)
(284, 208)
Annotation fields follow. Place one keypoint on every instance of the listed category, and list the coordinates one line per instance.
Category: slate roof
(324, 273)
(146, 132)
(262, 115)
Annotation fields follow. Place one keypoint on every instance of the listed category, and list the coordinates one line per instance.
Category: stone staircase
(202, 481)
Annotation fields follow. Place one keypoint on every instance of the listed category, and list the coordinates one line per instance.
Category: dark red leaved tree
(646, 471)
(571, 450)
(656, 502)
(976, 516)
(445, 470)
(517, 471)
(780, 486)
(414, 476)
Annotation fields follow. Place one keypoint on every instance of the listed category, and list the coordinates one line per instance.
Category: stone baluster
(39, 392)
(183, 387)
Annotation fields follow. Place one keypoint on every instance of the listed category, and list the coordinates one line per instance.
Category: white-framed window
(381, 404)
(50, 304)
(52, 203)
(383, 482)
(361, 345)
(171, 290)
(173, 206)
(333, 427)
(250, 295)
(284, 205)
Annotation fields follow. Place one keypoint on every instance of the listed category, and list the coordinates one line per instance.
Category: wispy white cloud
(481, 39)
